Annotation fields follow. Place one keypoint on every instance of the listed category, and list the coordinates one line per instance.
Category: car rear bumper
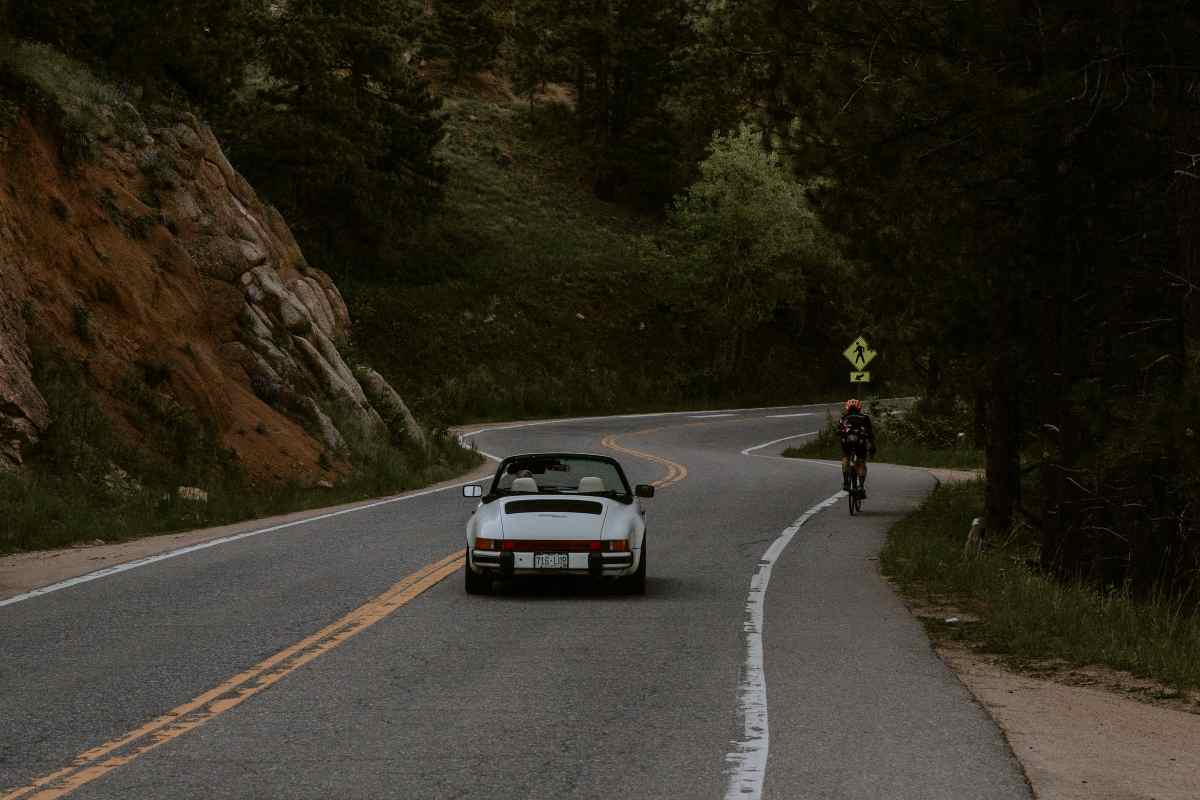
(521, 563)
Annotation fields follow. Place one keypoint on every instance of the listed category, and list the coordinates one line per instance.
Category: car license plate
(550, 561)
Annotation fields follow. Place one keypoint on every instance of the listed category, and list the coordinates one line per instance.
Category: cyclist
(858, 436)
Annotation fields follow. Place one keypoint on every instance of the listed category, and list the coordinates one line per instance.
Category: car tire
(475, 583)
(636, 583)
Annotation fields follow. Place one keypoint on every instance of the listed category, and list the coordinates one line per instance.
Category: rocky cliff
(139, 251)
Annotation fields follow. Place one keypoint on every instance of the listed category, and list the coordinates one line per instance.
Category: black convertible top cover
(553, 506)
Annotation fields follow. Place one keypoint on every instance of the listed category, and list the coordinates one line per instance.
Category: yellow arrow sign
(860, 377)
(859, 354)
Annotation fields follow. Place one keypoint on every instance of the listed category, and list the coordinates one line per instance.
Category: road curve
(342, 658)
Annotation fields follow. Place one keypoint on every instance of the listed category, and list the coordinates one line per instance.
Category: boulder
(391, 405)
(23, 411)
(319, 423)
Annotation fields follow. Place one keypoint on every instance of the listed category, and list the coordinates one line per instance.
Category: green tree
(748, 239)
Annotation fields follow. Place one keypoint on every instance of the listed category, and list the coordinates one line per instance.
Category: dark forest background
(1002, 194)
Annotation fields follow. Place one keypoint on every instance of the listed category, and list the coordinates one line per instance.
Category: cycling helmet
(853, 404)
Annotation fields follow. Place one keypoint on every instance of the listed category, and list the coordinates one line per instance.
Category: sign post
(860, 354)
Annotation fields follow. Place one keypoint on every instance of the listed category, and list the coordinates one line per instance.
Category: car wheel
(636, 583)
(476, 584)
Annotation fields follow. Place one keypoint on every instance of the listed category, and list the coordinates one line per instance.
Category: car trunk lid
(559, 518)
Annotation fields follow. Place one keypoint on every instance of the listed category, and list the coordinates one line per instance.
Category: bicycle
(855, 495)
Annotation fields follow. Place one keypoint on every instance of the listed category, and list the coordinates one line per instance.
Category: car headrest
(524, 485)
(591, 484)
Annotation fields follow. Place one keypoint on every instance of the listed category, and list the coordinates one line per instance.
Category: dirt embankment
(139, 251)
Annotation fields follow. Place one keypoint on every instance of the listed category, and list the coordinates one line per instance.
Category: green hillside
(525, 295)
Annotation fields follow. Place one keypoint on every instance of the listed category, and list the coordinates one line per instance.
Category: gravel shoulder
(1086, 742)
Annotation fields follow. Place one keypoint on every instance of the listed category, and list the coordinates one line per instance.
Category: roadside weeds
(1098, 695)
(1028, 617)
(24, 572)
(895, 447)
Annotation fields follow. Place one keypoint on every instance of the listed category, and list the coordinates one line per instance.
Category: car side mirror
(644, 490)
(472, 490)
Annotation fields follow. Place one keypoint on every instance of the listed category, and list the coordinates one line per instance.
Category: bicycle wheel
(853, 497)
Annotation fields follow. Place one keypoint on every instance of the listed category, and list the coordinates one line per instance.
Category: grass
(42, 511)
(83, 481)
(528, 297)
(1027, 616)
(907, 439)
(512, 284)
(88, 110)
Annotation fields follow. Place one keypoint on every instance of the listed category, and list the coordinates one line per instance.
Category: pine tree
(342, 134)
(468, 33)
(622, 60)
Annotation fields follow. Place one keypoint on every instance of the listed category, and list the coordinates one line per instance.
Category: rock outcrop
(176, 265)
(23, 412)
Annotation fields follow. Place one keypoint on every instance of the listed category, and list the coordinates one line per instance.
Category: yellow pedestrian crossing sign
(860, 377)
(860, 354)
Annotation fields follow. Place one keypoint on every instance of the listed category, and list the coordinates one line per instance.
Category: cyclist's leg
(845, 470)
(862, 474)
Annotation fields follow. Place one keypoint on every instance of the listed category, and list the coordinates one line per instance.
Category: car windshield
(560, 475)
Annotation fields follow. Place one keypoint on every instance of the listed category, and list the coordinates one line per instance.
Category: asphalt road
(284, 680)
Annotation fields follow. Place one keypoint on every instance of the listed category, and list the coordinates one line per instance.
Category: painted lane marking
(183, 551)
(676, 472)
(462, 437)
(815, 462)
(116, 569)
(99, 761)
(750, 450)
(570, 420)
(747, 763)
(791, 416)
(465, 435)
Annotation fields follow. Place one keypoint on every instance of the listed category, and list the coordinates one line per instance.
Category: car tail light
(569, 545)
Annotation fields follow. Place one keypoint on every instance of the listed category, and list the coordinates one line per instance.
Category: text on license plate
(550, 561)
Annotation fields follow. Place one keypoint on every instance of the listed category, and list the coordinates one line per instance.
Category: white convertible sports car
(557, 513)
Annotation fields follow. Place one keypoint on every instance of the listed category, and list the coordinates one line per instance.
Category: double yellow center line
(103, 759)
(676, 472)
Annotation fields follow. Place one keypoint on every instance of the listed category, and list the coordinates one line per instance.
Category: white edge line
(520, 425)
(141, 562)
(748, 760)
(183, 551)
(791, 416)
(750, 450)
(463, 437)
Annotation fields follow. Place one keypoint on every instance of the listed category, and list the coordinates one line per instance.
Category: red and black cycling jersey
(856, 432)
